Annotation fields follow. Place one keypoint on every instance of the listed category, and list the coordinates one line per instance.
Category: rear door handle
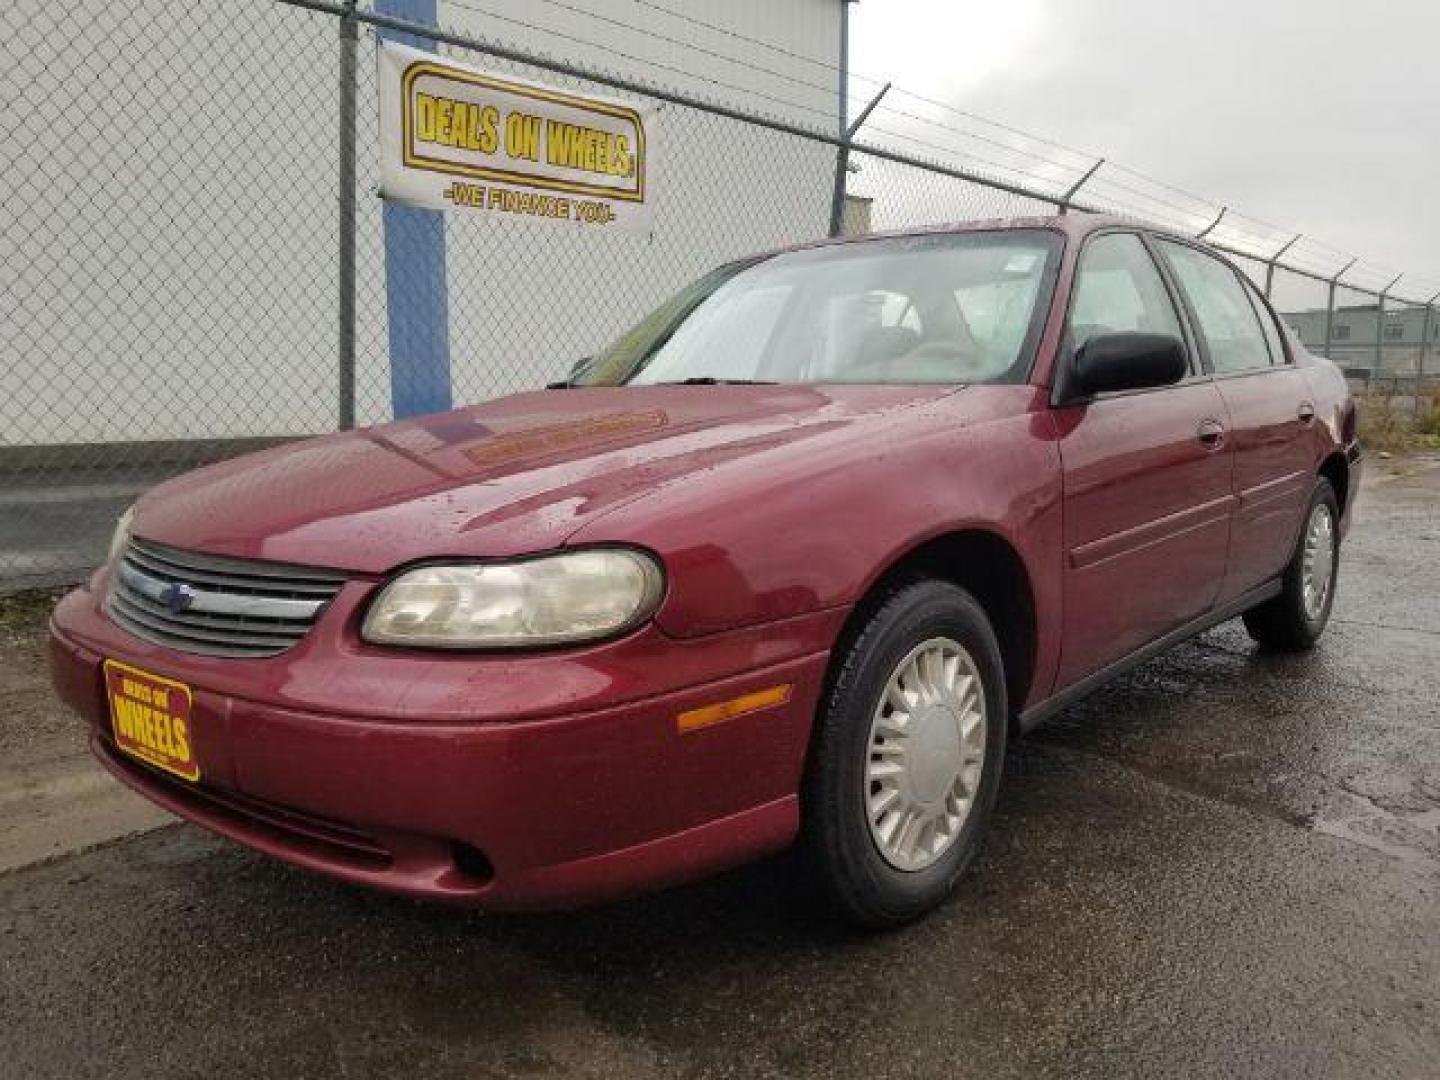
(1306, 412)
(1212, 434)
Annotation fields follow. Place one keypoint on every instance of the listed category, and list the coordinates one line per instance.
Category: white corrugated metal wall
(170, 192)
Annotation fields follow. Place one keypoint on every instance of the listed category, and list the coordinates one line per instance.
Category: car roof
(1075, 225)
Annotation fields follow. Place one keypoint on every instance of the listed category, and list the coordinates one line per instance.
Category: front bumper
(566, 808)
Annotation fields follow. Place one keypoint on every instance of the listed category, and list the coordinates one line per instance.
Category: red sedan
(791, 560)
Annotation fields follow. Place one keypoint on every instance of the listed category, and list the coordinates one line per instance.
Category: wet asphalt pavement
(1226, 864)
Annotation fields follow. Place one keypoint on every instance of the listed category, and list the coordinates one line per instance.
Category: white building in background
(168, 205)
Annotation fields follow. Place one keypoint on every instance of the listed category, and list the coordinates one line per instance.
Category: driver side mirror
(1122, 361)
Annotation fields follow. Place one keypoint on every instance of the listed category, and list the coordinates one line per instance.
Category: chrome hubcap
(927, 750)
(1317, 568)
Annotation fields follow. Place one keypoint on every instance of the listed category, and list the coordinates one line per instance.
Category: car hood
(516, 475)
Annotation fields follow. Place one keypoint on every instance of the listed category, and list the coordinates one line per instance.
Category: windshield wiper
(711, 380)
(693, 380)
(579, 368)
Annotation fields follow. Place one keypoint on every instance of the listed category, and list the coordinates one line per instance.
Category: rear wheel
(908, 750)
(1296, 618)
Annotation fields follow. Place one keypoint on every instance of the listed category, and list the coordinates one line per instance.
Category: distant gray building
(1352, 341)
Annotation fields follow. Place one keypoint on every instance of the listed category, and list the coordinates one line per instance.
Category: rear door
(1146, 474)
(1271, 414)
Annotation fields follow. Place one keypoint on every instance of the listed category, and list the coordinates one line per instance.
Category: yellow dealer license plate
(150, 717)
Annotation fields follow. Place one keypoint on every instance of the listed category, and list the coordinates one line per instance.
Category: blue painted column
(416, 296)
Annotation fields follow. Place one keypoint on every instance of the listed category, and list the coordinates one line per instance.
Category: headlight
(121, 536)
(553, 600)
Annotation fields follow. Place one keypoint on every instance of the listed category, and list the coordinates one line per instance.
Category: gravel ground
(32, 723)
(1225, 864)
(54, 798)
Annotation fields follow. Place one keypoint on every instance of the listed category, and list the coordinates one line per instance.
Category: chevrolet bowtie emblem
(177, 597)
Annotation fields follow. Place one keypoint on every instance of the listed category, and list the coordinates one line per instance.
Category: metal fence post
(842, 163)
(1380, 327)
(1270, 266)
(1208, 229)
(1330, 307)
(843, 77)
(1064, 204)
(349, 42)
(1427, 328)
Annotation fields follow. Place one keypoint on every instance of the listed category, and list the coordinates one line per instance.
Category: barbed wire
(954, 152)
(737, 35)
(872, 81)
(1037, 169)
(746, 91)
(828, 66)
(1120, 166)
(1035, 164)
(749, 65)
(852, 75)
(913, 95)
(1076, 168)
(1100, 182)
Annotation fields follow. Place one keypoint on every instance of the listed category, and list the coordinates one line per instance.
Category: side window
(1118, 288)
(1227, 319)
(1267, 324)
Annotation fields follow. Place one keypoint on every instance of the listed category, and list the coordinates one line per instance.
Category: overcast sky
(1317, 115)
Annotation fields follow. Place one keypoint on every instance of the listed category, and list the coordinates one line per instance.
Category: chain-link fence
(192, 268)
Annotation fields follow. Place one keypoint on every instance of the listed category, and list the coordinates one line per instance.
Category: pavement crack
(1399, 837)
(1386, 626)
(1168, 782)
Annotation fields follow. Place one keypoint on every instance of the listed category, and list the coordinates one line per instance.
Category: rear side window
(1118, 289)
(1227, 319)
(1267, 323)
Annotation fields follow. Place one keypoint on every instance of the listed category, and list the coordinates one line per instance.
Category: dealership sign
(456, 137)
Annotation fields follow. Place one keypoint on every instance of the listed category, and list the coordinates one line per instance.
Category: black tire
(858, 880)
(1283, 622)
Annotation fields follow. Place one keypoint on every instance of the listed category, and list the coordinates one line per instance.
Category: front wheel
(1295, 619)
(907, 755)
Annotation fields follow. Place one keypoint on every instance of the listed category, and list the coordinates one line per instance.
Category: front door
(1147, 478)
(1271, 414)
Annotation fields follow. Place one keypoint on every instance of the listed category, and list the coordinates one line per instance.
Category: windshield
(952, 308)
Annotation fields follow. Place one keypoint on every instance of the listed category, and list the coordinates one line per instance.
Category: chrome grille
(215, 606)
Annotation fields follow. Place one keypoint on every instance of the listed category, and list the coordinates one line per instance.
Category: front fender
(803, 528)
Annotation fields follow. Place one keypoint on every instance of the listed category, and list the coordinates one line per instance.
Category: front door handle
(1306, 413)
(1211, 434)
